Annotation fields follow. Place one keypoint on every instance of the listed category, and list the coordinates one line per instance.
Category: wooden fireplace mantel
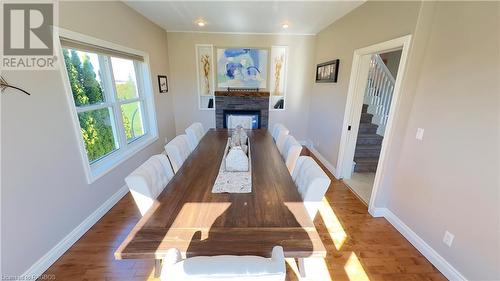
(235, 93)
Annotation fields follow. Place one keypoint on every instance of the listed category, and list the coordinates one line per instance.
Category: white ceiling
(304, 17)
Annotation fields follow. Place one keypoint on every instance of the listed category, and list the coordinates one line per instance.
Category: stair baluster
(375, 113)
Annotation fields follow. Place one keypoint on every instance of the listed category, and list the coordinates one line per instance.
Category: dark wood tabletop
(188, 216)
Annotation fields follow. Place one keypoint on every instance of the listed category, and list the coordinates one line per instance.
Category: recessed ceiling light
(285, 25)
(200, 23)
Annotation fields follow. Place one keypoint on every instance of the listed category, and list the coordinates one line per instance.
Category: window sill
(106, 165)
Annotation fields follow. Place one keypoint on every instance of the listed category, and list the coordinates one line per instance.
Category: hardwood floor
(359, 246)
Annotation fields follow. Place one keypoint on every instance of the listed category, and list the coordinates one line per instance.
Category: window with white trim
(112, 99)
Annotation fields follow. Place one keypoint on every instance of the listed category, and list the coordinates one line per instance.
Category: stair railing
(379, 90)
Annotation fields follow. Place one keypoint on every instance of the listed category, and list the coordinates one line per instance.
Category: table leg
(157, 268)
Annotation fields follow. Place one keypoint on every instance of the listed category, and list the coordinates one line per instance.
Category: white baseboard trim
(377, 212)
(321, 158)
(425, 249)
(40, 266)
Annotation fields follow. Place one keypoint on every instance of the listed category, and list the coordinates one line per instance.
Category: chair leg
(302, 267)
(313, 269)
(157, 268)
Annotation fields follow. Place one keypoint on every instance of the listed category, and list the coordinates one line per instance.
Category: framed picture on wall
(163, 83)
(277, 82)
(205, 73)
(245, 68)
(205, 69)
(327, 72)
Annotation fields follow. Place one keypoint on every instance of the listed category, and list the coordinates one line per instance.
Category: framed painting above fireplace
(242, 68)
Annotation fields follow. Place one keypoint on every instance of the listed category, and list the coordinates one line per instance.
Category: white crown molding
(41, 265)
(240, 33)
(425, 249)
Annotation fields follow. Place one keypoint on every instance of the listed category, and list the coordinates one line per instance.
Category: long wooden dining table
(189, 217)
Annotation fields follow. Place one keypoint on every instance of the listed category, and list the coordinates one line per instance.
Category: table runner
(233, 182)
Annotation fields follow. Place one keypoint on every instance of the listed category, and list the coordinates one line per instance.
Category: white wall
(45, 194)
(449, 181)
(181, 47)
(371, 23)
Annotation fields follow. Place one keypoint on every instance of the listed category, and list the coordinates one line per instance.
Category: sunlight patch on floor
(332, 224)
(354, 269)
(293, 265)
(315, 269)
(151, 276)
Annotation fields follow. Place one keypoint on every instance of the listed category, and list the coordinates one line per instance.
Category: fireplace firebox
(242, 107)
(249, 119)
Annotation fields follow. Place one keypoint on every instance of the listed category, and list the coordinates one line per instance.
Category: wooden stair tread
(365, 160)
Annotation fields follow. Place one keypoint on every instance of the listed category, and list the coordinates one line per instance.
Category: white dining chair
(312, 183)
(276, 130)
(148, 181)
(225, 267)
(280, 139)
(290, 152)
(194, 133)
(178, 151)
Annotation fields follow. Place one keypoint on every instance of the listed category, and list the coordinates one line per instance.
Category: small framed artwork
(163, 83)
(205, 69)
(277, 82)
(327, 72)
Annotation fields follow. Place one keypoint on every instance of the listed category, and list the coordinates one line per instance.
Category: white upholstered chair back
(224, 267)
(148, 181)
(312, 183)
(194, 134)
(276, 128)
(178, 151)
(281, 136)
(290, 152)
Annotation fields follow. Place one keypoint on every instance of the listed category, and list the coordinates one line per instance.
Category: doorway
(371, 108)
(382, 74)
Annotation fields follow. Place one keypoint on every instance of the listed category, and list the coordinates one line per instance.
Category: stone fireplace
(254, 104)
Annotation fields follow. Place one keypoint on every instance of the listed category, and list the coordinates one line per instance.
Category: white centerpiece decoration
(235, 172)
(237, 158)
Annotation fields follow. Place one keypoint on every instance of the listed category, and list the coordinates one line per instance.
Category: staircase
(374, 116)
(368, 144)
(378, 94)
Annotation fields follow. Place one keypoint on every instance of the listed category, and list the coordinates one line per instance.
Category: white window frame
(126, 149)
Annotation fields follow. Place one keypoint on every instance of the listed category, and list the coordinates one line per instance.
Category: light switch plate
(420, 134)
(448, 238)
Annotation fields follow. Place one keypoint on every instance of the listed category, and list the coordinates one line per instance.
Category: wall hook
(4, 85)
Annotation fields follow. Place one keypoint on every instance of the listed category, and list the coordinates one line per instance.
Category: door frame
(352, 114)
